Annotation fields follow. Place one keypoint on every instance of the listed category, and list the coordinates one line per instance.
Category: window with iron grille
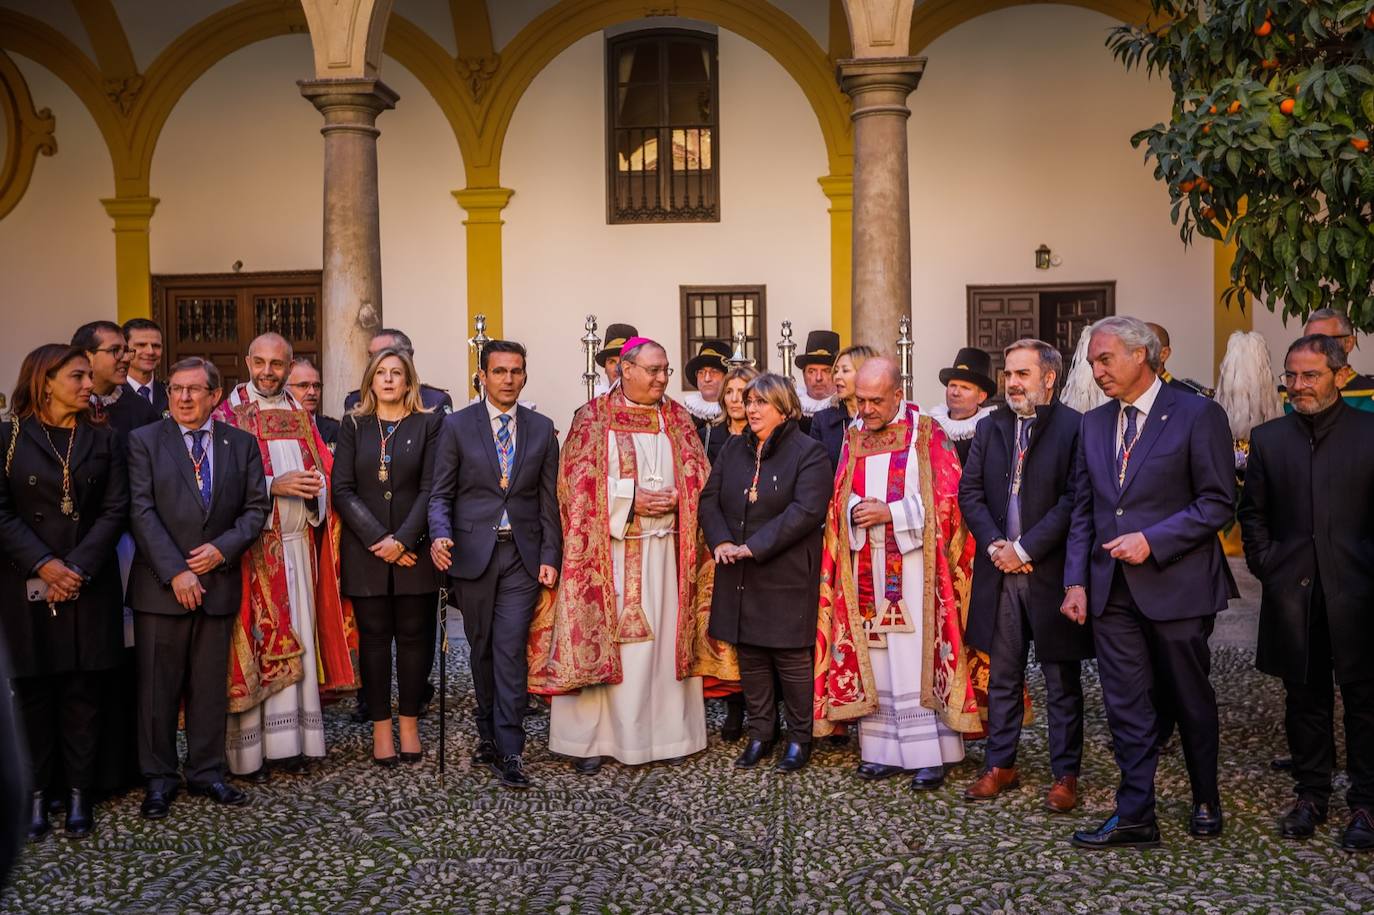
(720, 312)
(663, 127)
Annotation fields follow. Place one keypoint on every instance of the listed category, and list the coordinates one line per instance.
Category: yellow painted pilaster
(483, 206)
(839, 190)
(1226, 321)
(133, 263)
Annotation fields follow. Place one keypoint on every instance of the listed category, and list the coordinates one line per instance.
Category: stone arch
(936, 17)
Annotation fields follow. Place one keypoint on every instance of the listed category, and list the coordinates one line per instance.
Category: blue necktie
(145, 392)
(506, 453)
(1127, 442)
(198, 456)
(1018, 459)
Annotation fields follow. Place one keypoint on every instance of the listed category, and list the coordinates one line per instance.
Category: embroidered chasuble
(622, 645)
(894, 598)
(296, 635)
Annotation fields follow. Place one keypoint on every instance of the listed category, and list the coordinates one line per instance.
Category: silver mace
(590, 342)
(904, 344)
(739, 357)
(475, 345)
(787, 349)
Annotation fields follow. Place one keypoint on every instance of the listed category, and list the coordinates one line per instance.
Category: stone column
(351, 301)
(131, 217)
(878, 88)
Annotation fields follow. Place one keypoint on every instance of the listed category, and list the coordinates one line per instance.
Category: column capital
(483, 204)
(839, 190)
(349, 104)
(130, 213)
(879, 85)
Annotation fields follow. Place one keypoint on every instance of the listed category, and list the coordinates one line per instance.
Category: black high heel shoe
(38, 820)
(411, 759)
(386, 762)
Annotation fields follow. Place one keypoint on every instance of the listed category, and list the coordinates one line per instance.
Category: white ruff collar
(700, 408)
(811, 407)
(959, 429)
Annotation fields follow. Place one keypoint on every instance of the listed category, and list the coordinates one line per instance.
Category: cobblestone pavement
(702, 837)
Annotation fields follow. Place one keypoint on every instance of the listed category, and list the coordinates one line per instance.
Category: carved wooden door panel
(216, 316)
(998, 318)
(1000, 315)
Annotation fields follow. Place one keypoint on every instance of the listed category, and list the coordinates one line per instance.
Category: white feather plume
(1080, 391)
(1246, 387)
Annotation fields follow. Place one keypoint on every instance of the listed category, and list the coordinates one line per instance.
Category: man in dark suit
(1154, 483)
(199, 500)
(1309, 538)
(434, 399)
(304, 384)
(1016, 496)
(144, 339)
(110, 356)
(495, 529)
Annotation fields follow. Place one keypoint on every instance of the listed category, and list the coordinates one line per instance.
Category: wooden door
(216, 316)
(1057, 313)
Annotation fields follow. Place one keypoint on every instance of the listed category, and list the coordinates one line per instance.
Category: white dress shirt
(495, 413)
(207, 426)
(1144, 403)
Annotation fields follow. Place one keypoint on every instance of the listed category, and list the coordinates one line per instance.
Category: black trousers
(183, 654)
(1309, 719)
(497, 607)
(1007, 682)
(794, 670)
(1136, 658)
(61, 715)
(407, 620)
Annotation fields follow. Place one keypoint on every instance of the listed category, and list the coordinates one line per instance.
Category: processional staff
(904, 343)
(590, 343)
(476, 343)
(740, 356)
(787, 350)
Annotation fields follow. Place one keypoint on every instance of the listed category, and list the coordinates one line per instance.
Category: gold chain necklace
(383, 459)
(754, 486)
(67, 506)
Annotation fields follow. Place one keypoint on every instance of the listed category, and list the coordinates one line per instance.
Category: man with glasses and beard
(110, 356)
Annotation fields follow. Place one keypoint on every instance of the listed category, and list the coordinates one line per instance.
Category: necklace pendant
(382, 474)
(753, 493)
(67, 506)
(505, 481)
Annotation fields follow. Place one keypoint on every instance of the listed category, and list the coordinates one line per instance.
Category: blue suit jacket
(1179, 491)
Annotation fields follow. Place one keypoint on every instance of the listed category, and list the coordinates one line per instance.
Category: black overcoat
(769, 600)
(828, 427)
(1046, 506)
(88, 633)
(1306, 519)
(371, 509)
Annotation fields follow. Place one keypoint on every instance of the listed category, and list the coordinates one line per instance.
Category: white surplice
(650, 714)
(902, 732)
(290, 723)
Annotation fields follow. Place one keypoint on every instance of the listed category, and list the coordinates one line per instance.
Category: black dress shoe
(733, 727)
(674, 761)
(795, 757)
(485, 754)
(1281, 764)
(38, 820)
(1205, 823)
(533, 706)
(156, 804)
(258, 776)
(386, 762)
(80, 817)
(587, 764)
(1359, 832)
(362, 714)
(411, 759)
(875, 772)
(512, 772)
(928, 778)
(1115, 834)
(221, 793)
(292, 765)
(754, 751)
(1301, 820)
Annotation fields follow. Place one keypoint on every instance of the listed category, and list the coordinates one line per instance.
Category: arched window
(662, 127)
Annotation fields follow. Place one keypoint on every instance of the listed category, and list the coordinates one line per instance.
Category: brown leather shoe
(991, 783)
(1063, 796)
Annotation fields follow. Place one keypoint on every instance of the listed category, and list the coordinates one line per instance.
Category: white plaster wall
(433, 17)
(61, 16)
(563, 260)
(1019, 135)
(240, 171)
(508, 17)
(56, 246)
(812, 15)
(151, 25)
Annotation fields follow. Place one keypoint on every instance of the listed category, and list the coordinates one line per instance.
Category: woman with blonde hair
(828, 425)
(382, 472)
(731, 420)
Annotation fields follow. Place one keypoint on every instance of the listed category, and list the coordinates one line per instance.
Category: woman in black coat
(762, 511)
(828, 425)
(64, 500)
(382, 470)
(732, 420)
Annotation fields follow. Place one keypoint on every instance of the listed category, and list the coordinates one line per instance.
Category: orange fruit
(1287, 105)
(1187, 186)
(1235, 107)
(1208, 213)
(1271, 63)
(1206, 128)
(1369, 20)
(1212, 110)
(1359, 144)
(1264, 28)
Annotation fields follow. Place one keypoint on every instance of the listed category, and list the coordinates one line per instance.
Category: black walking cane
(443, 675)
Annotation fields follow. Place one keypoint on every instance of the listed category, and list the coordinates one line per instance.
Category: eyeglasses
(308, 385)
(650, 370)
(195, 390)
(755, 402)
(115, 351)
(1291, 379)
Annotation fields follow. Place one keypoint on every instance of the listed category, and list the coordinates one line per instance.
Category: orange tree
(1268, 144)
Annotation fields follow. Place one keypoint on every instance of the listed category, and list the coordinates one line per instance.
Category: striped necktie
(202, 465)
(506, 452)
